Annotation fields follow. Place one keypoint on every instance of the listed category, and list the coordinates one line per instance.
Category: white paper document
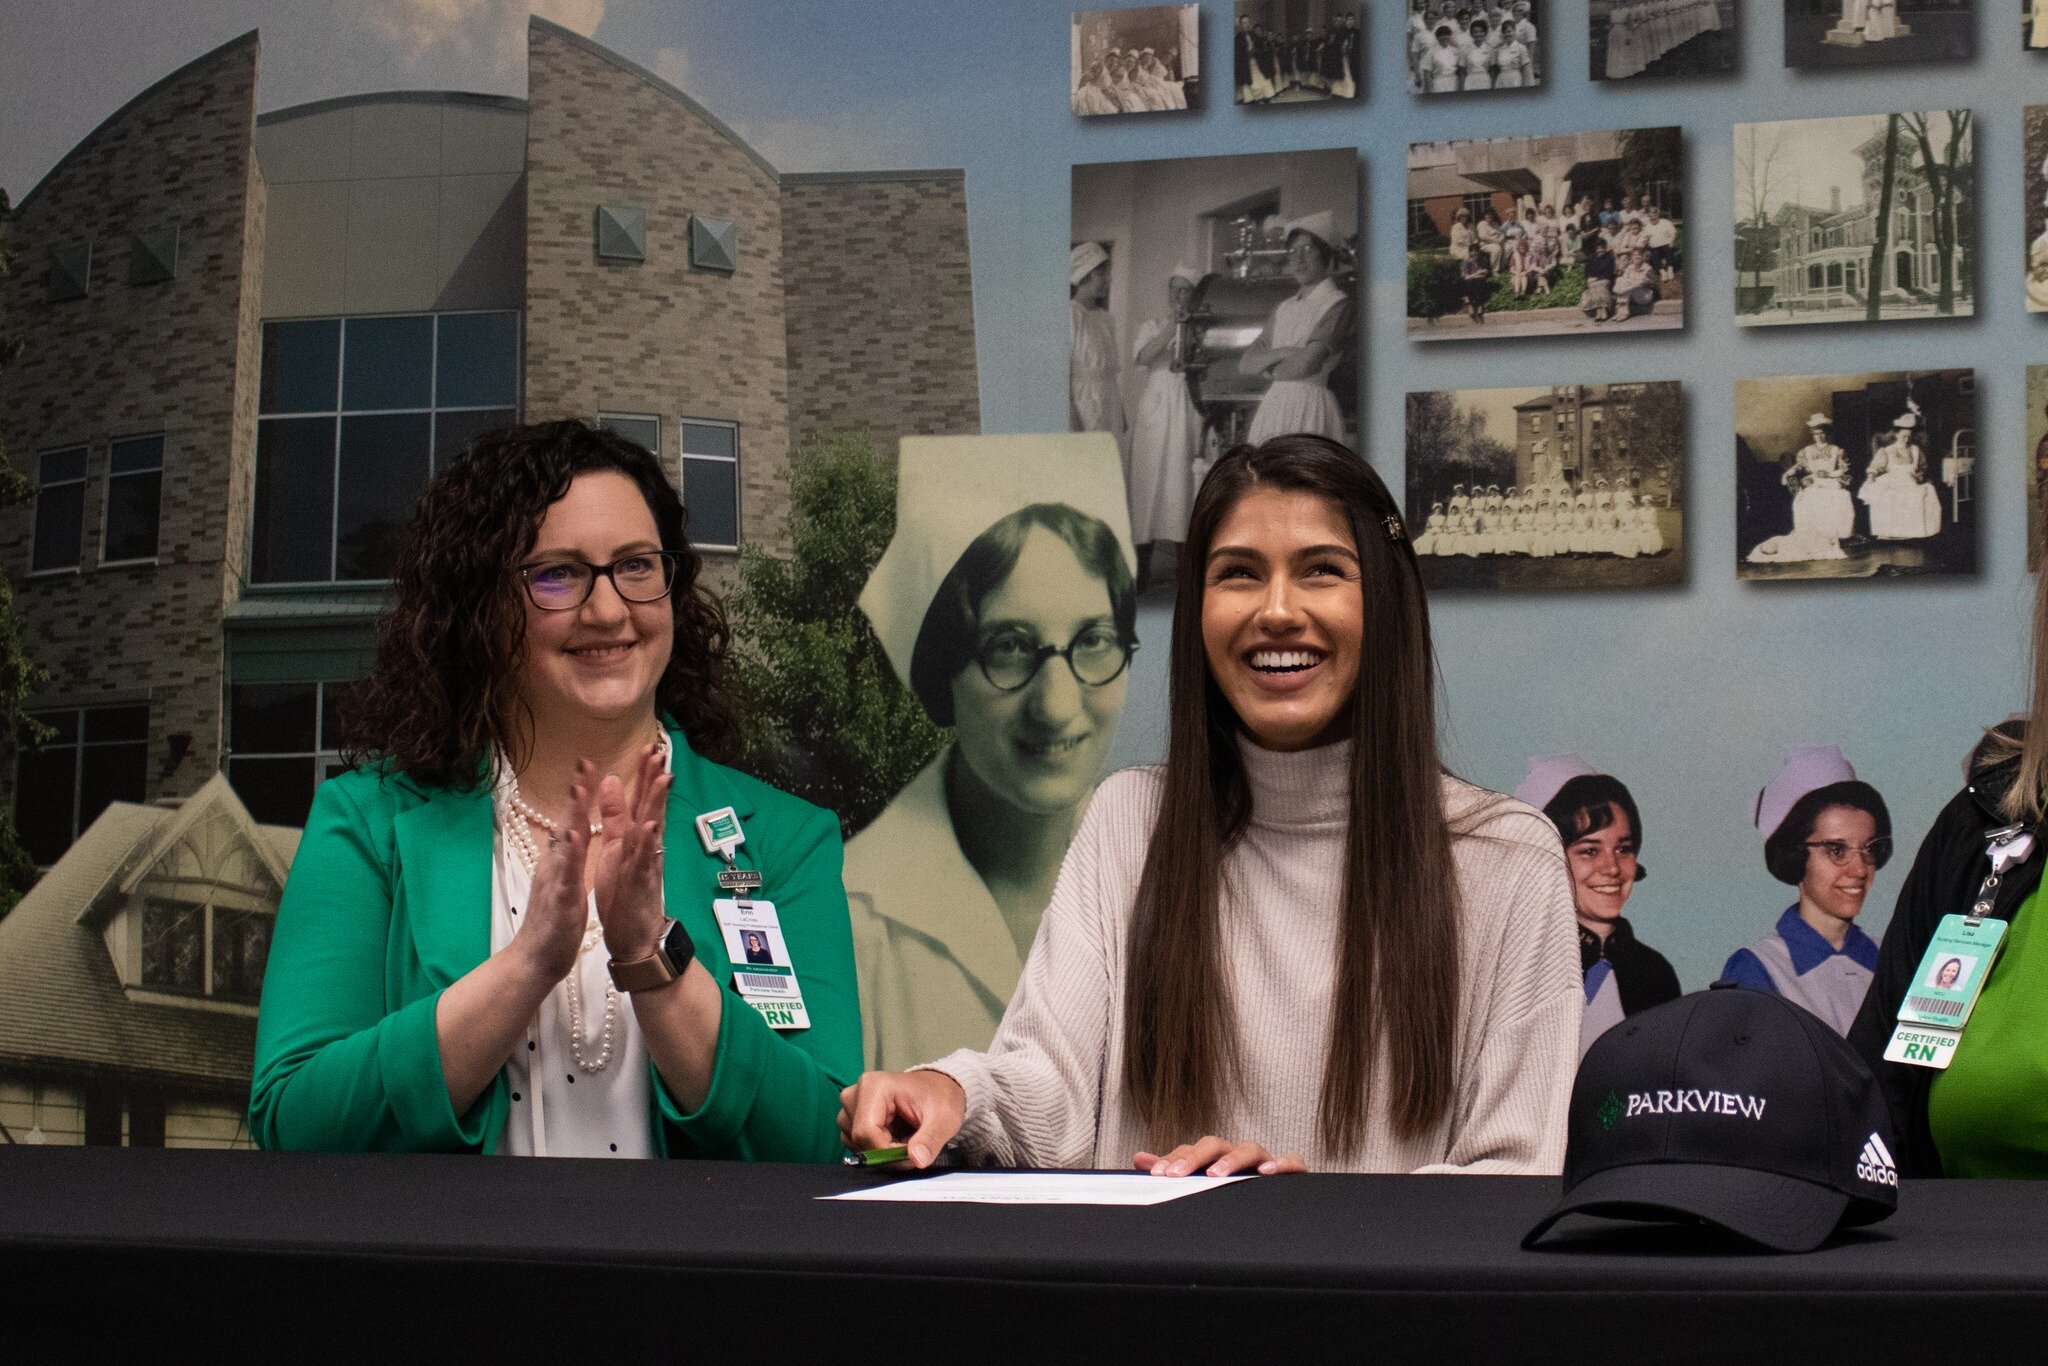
(1040, 1188)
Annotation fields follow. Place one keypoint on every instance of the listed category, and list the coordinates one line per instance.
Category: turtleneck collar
(1303, 788)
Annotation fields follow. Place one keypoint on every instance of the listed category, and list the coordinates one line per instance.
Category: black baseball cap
(1733, 1107)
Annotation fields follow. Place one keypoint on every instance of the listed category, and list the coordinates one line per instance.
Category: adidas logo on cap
(1875, 1164)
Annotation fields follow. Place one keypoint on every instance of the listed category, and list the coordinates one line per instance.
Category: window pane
(60, 527)
(116, 723)
(301, 361)
(331, 697)
(111, 773)
(133, 501)
(43, 801)
(276, 791)
(479, 361)
(294, 512)
(173, 936)
(63, 726)
(241, 947)
(271, 718)
(710, 438)
(56, 467)
(141, 453)
(383, 473)
(711, 495)
(454, 431)
(387, 363)
(644, 430)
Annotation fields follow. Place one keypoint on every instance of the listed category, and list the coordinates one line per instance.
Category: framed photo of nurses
(1839, 34)
(2037, 467)
(1460, 47)
(1631, 39)
(1857, 476)
(1146, 60)
(1569, 234)
(2036, 121)
(1867, 218)
(1298, 51)
(1573, 486)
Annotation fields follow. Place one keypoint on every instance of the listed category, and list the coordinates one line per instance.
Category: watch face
(678, 947)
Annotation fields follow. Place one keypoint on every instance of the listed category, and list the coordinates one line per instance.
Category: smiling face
(1308, 261)
(1838, 892)
(1283, 617)
(602, 660)
(1039, 748)
(1603, 869)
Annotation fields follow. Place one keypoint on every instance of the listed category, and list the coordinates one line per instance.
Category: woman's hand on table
(921, 1111)
(1213, 1156)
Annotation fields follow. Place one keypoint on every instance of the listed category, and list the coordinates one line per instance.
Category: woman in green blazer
(499, 931)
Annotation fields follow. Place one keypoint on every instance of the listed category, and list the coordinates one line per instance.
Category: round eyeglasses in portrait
(1097, 654)
(564, 585)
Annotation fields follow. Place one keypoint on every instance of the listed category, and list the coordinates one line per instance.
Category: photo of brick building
(248, 342)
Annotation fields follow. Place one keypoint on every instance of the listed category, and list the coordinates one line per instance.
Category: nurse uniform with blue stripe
(1794, 962)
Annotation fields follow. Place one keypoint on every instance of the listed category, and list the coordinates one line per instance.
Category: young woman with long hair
(1300, 942)
(483, 945)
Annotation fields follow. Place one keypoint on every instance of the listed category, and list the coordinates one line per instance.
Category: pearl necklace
(514, 813)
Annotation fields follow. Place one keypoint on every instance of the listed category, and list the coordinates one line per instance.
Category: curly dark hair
(441, 699)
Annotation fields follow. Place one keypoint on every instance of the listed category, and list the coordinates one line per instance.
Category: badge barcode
(1931, 1005)
(754, 981)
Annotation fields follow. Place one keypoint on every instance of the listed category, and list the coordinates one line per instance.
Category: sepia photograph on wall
(1460, 47)
(1867, 218)
(1856, 476)
(1213, 300)
(1574, 233)
(1835, 34)
(1146, 60)
(1650, 39)
(1574, 486)
(2035, 184)
(1298, 51)
(2037, 465)
(2034, 24)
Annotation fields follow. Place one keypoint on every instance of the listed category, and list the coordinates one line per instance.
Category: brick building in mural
(1584, 435)
(248, 343)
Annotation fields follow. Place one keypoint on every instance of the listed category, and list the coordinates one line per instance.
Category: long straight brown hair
(1397, 978)
(2027, 799)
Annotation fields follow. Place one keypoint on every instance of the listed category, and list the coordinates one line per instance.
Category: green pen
(877, 1157)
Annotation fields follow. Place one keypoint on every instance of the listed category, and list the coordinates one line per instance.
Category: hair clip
(1395, 531)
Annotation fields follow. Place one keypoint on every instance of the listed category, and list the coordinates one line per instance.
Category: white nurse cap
(1321, 225)
(1807, 768)
(1547, 776)
(1083, 260)
(950, 489)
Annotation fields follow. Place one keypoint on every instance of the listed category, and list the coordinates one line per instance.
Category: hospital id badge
(1944, 990)
(761, 969)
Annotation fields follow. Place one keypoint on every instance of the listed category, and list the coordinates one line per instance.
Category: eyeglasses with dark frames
(564, 585)
(1839, 852)
(1009, 660)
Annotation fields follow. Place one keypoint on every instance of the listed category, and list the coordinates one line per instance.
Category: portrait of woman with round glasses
(499, 932)
(1012, 619)
(1827, 833)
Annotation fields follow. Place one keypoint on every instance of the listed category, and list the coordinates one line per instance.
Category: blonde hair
(2027, 799)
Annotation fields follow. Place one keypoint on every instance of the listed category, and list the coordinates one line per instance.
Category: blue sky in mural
(1688, 695)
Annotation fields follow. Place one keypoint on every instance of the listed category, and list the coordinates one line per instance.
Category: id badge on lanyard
(1953, 971)
(761, 968)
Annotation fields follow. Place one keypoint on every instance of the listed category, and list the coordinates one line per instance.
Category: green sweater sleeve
(347, 1057)
(775, 1097)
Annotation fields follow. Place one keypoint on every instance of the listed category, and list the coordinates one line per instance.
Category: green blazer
(389, 902)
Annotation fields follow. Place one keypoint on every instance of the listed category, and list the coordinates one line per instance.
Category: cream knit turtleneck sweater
(1048, 1091)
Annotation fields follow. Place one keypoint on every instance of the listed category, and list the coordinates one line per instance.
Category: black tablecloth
(274, 1256)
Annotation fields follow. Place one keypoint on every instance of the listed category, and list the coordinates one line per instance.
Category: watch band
(668, 961)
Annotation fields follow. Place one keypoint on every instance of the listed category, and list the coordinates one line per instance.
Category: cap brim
(1780, 1212)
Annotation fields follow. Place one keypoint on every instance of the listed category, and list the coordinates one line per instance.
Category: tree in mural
(824, 715)
(1650, 426)
(1651, 165)
(1759, 149)
(19, 676)
(1948, 174)
(1881, 225)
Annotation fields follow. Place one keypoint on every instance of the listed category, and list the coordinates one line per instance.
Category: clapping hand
(630, 899)
(557, 908)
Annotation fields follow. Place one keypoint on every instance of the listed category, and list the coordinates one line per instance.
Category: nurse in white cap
(1903, 505)
(1166, 435)
(1006, 604)
(1827, 833)
(1303, 341)
(1095, 397)
(1596, 817)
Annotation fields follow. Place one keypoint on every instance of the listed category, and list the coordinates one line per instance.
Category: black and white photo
(1544, 236)
(1574, 486)
(1867, 218)
(1457, 47)
(2037, 463)
(2036, 186)
(1828, 34)
(1136, 61)
(1653, 38)
(1856, 476)
(1213, 300)
(1298, 51)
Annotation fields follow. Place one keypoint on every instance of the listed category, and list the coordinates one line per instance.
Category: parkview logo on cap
(1733, 1107)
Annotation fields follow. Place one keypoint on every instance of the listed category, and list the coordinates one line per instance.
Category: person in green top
(499, 933)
